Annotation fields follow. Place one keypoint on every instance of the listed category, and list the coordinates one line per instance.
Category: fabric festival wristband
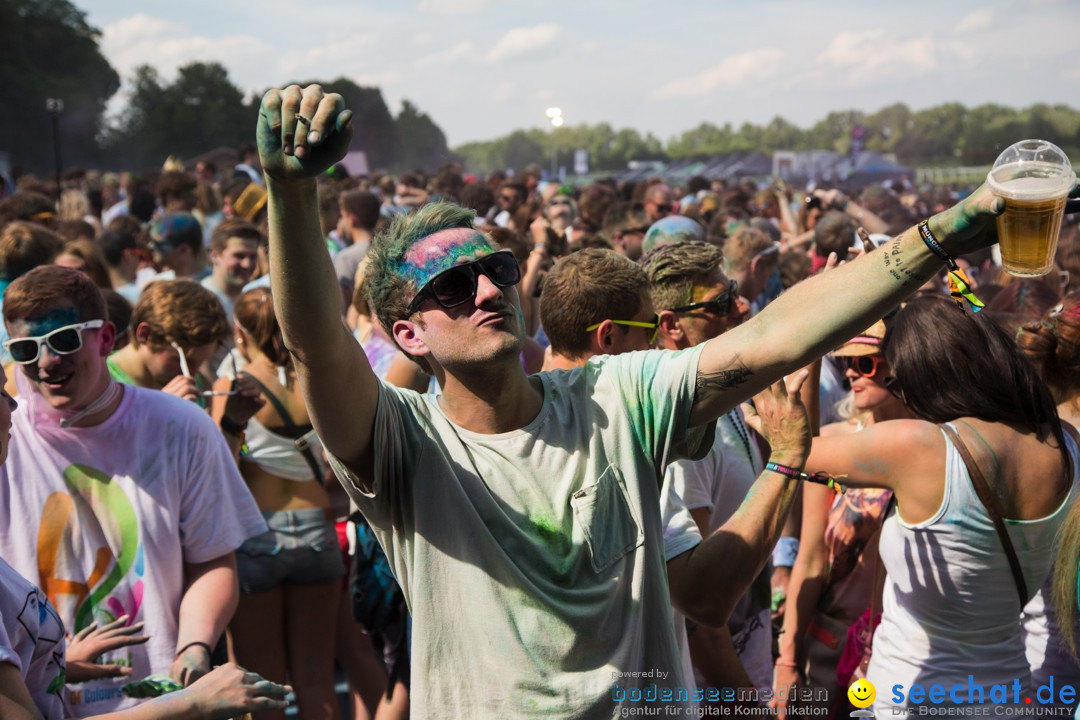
(819, 478)
(959, 284)
(785, 552)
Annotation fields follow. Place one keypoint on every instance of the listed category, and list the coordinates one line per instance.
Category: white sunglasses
(61, 341)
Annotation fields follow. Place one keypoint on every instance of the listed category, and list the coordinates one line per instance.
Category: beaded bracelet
(959, 285)
(820, 478)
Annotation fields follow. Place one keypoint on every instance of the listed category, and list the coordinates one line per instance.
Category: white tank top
(949, 606)
(278, 455)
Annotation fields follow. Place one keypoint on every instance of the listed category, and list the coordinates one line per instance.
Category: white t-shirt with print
(533, 561)
(719, 483)
(32, 639)
(103, 518)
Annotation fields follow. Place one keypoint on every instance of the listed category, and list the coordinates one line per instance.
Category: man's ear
(408, 338)
(671, 330)
(142, 333)
(601, 340)
(107, 338)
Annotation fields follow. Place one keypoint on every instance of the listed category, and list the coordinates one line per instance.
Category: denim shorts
(299, 548)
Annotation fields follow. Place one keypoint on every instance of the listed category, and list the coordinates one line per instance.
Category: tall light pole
(55, 106)
(555, 116)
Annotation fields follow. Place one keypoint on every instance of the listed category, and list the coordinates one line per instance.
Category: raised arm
(339, 388)
(820, 313)
(707, 581)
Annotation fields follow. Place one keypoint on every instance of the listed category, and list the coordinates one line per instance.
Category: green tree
(705, 139)
(49, 51)
(887, 126)
(990, 129)
(936, 135)
(199, 111)
(423, 143)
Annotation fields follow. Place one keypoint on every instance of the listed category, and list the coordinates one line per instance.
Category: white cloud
(503, 92)
(463, 50)
(874, 55)
(736, 71)
(523, 40)
(977, 20)
(455, 7)
(142, 39)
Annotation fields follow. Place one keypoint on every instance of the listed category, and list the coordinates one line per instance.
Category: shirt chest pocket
(602, 511)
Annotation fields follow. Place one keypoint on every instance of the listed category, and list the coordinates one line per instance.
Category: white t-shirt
(719, 483)
(32, 639)
(103, 518)
(533, 560)
(681, 533)
(226, 301)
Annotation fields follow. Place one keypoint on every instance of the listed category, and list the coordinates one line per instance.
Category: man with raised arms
(521, 514)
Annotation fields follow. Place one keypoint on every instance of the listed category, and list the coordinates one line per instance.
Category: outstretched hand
(778, 414)
(84, 649)
(230, 690)
(302, 132)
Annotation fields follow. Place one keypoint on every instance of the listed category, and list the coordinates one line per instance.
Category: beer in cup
(1034, 178)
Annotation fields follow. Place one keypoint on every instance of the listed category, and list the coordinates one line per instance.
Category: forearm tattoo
(721, 380)
(893, 258)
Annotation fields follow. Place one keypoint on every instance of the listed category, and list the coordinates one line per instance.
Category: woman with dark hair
(290, 575)
(954, 587)
(1053, 346)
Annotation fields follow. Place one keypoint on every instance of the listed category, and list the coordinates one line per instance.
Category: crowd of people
(491, 447)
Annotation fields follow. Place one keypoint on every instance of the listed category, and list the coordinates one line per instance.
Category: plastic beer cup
(1034, 178)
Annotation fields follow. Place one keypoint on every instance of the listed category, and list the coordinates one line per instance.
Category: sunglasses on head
(457, 285)
(865, 365)
(719, 305)
(653, 326)
(61, 341)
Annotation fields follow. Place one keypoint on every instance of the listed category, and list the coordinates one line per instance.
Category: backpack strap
(982, 489)
(286, 418)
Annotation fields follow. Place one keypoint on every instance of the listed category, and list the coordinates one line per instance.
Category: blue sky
(482, 68)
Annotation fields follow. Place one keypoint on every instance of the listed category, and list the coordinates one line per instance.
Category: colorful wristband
(959, 284)
(820, 478)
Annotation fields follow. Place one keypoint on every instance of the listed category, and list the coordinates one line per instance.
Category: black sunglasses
(457, 285)
(720, 305)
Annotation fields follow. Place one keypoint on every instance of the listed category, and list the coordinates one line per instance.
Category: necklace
(107, 396)
(742, 431)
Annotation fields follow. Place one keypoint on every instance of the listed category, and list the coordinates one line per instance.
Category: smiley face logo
(861, 694)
